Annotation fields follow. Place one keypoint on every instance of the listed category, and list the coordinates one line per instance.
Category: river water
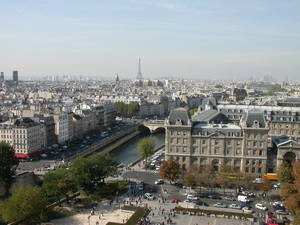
(127, 153)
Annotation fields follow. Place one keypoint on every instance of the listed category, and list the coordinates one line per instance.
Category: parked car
(260, 206)
(149, 196)
(175, 201)
(229, 198)
(247, 209)
(220, 205)
(285, 219)
(235, 206)
(281, 212)
(192, 197)
(159, 181)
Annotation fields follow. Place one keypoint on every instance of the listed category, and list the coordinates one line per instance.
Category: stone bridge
(154, 125)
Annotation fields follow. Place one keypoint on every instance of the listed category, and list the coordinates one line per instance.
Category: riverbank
(140, 159)
(109, 144)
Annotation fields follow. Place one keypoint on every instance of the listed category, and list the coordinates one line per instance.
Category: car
(159, 181)
(187, 201)
(285, 219)
(229, 198)
(140, 187)
(247, 209)
(175, 201)
(191, 197)
(235, 206)
(149, 196)
(214, 197)
(220, 205)
(260, 206)
(281, 212)
(276, 186)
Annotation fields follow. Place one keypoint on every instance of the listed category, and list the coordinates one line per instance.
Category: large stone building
(239, 140)
(24, 135)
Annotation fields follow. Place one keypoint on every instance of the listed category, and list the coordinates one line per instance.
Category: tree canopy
(146, 147)
(58, 184)
(290, 188)
(8, 164)
(170, 170)
(127, 110)
(89, 173)
(27, 204)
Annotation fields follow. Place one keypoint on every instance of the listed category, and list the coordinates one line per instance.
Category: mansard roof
(179, 116)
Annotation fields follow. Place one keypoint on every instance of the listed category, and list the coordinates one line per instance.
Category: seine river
(127, 153)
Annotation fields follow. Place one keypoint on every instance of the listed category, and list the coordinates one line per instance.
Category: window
(260, 152)
(183, 159)
(247, 162)
(203, 142)
(247, 169)
(253, 170)
(259, 170)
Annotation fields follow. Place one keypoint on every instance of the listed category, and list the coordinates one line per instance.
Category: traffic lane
(147, 177)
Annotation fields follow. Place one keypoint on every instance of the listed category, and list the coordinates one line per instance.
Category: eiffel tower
(139, 75)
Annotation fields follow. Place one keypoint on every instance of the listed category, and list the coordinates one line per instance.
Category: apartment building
(24, 135)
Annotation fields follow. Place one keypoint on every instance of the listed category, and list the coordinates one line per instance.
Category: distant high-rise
(2, 76)
(15, 76)
(139, 75)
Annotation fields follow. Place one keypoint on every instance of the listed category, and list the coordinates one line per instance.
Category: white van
(243, 198)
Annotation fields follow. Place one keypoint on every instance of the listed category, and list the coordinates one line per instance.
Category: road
(57, 155)
(173, 192)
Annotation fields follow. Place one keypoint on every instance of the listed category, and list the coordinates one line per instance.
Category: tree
(58, 184)
(290, 188)
(90, 173)
(285, 173)
(146, 147)
(27, 204)
(170, 170)
(127, 110)
(189, 180)
(8, 164)
(266, 185)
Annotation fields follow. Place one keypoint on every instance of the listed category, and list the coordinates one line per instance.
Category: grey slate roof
(206, 116)
(252, 116)
(179, 115)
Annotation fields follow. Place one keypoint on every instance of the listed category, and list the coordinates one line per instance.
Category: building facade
(24, 135)
(209, 138)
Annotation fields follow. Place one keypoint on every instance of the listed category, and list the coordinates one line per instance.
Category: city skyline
(203, 40)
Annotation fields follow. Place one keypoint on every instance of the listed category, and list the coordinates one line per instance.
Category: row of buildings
(34, 131)
(247, 139)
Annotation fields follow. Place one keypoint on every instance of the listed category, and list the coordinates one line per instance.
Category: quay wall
(108, 145)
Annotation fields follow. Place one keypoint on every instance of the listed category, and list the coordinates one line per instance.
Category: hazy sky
(183, 38)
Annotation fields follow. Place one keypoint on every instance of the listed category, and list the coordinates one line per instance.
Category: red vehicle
(175, 201)
(271, 219)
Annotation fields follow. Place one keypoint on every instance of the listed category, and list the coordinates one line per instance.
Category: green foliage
(193, 111)
(127, 110)
(8, 164)
(218, 86)
(110, 190)
(58, 184)
(273, 89)
(146, 147)
(89, 173)
(27, 204)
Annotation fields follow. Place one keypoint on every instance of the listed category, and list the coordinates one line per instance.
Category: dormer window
(255, 124)
(178, 122)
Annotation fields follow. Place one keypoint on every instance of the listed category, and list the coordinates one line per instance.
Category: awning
(24, 156)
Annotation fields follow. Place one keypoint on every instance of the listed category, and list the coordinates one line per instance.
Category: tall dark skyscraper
(15, 76)
(2, 76)
(139, 75)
